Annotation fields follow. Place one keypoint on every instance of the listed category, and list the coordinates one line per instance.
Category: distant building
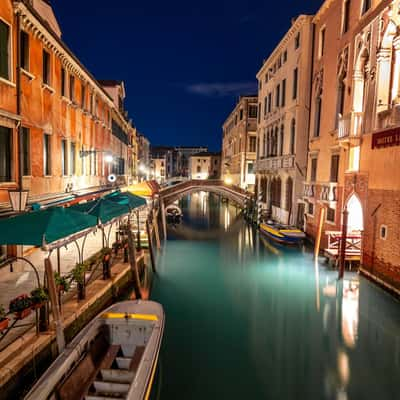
(143, 157)
(239, 143)
(176, 160)
(205, 165)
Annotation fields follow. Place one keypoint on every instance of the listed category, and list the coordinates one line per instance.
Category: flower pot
(4, 324)
(23, 314)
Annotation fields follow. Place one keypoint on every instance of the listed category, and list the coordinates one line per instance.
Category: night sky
(183, 62)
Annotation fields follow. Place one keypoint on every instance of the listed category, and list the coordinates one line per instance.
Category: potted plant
(106, 254)
(38, 297)
(21, 306)
(78, 274)
(62, 283)
(3, 319)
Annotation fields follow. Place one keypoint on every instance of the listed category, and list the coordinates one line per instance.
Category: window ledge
(65, 99)
(7, 82)
(48, 176)
(11, 185)
(28, 74)
(330, 222)
(49, 88)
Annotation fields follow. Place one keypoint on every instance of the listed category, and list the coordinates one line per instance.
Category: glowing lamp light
(108, 158)
(228, 180)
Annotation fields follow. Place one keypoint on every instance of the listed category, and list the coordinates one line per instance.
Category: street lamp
(108, 158)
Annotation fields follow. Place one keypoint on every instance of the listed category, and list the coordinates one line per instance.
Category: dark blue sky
(183, 62)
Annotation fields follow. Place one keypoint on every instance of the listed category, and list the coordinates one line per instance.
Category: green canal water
(249, 319)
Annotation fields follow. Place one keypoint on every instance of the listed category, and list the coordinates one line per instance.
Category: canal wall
(22, 362)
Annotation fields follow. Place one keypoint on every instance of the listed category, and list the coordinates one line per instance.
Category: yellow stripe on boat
(143, 317)
(271, 230)
(291, 231)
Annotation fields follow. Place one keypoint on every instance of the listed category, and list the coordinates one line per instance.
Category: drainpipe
(18, 97)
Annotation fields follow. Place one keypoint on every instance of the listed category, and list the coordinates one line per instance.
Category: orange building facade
(61, 130)
(354, 146)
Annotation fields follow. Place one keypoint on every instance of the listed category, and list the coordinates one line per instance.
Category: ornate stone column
(396, 72)
(383, 79)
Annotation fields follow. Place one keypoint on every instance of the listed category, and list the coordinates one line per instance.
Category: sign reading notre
(390, 137)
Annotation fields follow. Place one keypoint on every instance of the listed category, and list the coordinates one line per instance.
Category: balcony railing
(275, 163)
(309, 189)
(350, 125)
(328, 191)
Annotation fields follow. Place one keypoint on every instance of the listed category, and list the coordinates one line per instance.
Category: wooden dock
(353, 247)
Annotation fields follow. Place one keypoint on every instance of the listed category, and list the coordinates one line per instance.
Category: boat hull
(291, 237)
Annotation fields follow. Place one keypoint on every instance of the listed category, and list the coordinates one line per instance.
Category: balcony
(309, 189)
(328, 192)
(275, 163)
(350, 128)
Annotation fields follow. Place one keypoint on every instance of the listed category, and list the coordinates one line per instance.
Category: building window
(297, 41)
(46, 67)
(24, 49)
(314, 164)
(72, 87)
(322, 42)
(259, 112)
(83, 96)
(284, 56)
(341, 91)
(252, 144)
(311, 208)
(241, 114)
(289, 194)
(4, 50)
(278, 96)
(366, 6)
(334, 168)
(26, 151)
(292, 136)
(295, 82)
(269, 102)
(318, 109)
(63, 82)
(265, 105)
(73, 158)
(46, 154)
(330, 214)
(282, 134)
(346, 15)
(5, 154)
(383, 232)
(283, 96)
(198, 168)
(64, 157)
(250, 168)
(252, 111)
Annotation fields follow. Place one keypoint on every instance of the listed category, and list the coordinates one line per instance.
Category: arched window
(281, 138)
(292, 136)
(263, 190)
(278, 192)
(289, 194)
(276, 141)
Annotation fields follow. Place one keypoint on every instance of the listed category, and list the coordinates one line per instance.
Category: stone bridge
(233, 193)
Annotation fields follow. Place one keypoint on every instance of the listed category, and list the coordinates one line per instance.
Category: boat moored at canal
(115, 356)
(282, 234)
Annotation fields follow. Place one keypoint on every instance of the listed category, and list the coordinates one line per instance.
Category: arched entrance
(355, 222)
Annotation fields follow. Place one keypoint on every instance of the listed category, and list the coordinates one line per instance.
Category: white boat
(113, 357)
(173, 212)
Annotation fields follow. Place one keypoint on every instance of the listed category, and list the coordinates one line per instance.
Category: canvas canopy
(127, 199)
(147, 188)
(104, 210)
(40, 228)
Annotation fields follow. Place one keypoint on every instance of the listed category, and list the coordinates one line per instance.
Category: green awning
(38, 228)
(127, 199)
(104, 210)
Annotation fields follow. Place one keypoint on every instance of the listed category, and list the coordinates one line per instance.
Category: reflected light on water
(350, 313)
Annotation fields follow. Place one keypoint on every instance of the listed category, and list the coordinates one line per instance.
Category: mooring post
(342, 258)
(54, 306)
(133, 262)
(156, 232)
(164, 220)
(259, 209)
(150, 245)
(319, 233)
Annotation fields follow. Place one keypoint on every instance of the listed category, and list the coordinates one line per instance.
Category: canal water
(249, 319)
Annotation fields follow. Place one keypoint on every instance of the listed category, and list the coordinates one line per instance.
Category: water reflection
(247, 318)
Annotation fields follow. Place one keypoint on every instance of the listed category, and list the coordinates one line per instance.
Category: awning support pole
(164, 222)
(156, 232)
(133, 262)
(54, 306)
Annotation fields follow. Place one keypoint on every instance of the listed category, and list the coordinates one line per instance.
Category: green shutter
(4, 35)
